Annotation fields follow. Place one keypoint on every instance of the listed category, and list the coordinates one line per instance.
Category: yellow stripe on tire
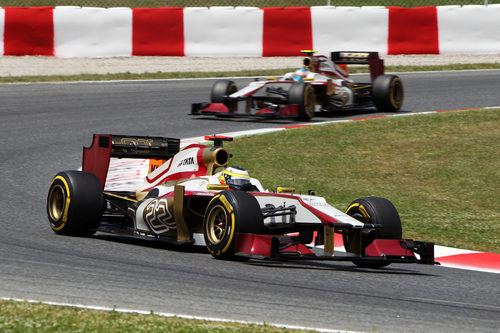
(66, 205)
(230, 238)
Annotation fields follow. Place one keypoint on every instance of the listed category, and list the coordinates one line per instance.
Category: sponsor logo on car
(186, 161)
(158, 217)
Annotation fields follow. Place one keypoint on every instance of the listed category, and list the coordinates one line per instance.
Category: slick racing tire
(388, 93)
(75, 203)
(302, 94)
(227, 214)
(220, 90)
(375, 210)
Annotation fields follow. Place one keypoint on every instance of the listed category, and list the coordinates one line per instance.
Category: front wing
(221, 110)
(380, 250)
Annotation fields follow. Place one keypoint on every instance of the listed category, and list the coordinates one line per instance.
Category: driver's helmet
(235, 178)
(300, 74)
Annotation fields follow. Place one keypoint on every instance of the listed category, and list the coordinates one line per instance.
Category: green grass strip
(24, 317)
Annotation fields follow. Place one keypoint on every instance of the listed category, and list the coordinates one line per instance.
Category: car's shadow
(312, 264)
(151, 243)
(330, 265)
(319, 116)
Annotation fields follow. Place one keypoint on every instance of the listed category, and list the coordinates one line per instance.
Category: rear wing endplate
(360, 58)
(104, 146)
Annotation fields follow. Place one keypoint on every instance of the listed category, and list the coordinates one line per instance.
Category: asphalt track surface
(43, 128)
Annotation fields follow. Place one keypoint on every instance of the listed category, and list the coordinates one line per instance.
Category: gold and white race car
(321, 85)
(195, 198)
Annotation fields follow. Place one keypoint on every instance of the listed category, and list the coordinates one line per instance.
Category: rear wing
(360, 58)
(104, 146)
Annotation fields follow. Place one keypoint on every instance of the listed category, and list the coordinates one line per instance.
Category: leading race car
(322, 85)
(194, 197)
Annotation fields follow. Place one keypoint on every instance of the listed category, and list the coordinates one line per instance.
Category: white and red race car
(195, 198)
(321, 85)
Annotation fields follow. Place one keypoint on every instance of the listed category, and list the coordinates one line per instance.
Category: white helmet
(235, 178)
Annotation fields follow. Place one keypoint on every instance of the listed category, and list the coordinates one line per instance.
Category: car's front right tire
(220, 90)
(374, 210)
(302, 94)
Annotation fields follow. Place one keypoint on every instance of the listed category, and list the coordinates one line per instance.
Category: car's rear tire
(388, 93)
(375, 210)
(302, 94)
(229, 213)
(220, 90)
(75, 203)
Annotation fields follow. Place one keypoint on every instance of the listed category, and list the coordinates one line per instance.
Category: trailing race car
(322, 85)
(195, 198)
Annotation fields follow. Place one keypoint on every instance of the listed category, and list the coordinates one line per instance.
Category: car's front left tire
(227, 214)
(302, 94)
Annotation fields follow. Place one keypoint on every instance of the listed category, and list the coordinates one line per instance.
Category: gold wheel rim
(309, 103)
(396, 94)
(56, 202)
(218, 225)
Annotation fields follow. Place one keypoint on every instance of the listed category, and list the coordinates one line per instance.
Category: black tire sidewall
(383, 212)
(85, 206)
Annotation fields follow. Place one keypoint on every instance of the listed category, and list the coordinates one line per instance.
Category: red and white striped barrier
(246, 31)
